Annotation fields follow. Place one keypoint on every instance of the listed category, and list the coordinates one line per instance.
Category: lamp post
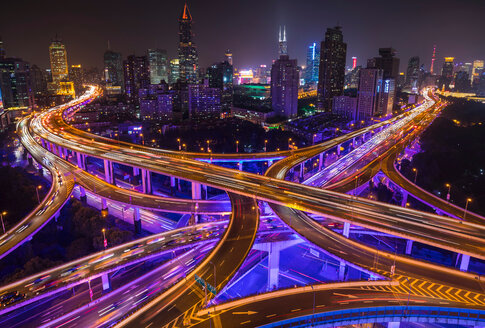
(313, 139)
(208, 148)
(265, 144)
(415, 170)
(448, 194)
(37, 192)
(237, 146)
(180, 147)
(466, 207)
(105, 242)
(1, 216)
(289, 143)
(142, 139)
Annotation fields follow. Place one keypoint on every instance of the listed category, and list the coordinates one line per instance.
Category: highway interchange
(179, 304)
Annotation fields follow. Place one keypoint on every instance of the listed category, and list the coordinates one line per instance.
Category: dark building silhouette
(284, 86)
(113, 68)
(331, 75)
(412, 74)
(462, 82)
(188, 57)
(446, 73)
(15, 83)
(136, 76)
(220, 76)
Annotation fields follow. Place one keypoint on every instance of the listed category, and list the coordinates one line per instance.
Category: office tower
(157, 59)
(354, 62)
(370, 85)
(3, 53)
(228, 55)
(331, 75)
(462, 81)
(204, 101)
(476, 69)
(433, 58)
(387, 62)
(15, 83)
(38, 81)
(284, 86)
(312, 63)
(345, 106)
(386, 98)
(465, 67)
(58, 59)
(446, 73)
(113, 68)
(188, 57)
(220, 76)
(282, 44)
(136, 76)
(412, 74)
(262, 75)
(351, 80)
(174, 71)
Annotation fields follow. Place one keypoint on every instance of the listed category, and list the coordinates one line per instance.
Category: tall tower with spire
(433, 58)
(282, 45)
(188, 57)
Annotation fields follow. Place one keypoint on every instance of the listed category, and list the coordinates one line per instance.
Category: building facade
(158, 63)
(136, 76)
(188, 56)
(284, 86)
(370, 85)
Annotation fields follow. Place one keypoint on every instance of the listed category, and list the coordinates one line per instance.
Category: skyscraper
(284, 86)
(15, 83)
(113, 68)
(174, 71)
(446, 73)
(412, 74)
(282, 44)
(331, 75)
(387, 62)
(221, 76)
(228, 55)
(312, 63)
(370, 86)
(136, 76)
(188, 57)
(476, 69)
(157, 59)
(58, 58)
(204, 101)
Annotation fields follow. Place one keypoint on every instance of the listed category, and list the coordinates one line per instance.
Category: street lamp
(105, 242)
(142, 139)
(466, 207)
(178, 140)
(289, 142)
(265, 144)
(415, 170)
(237, 146)
(37, 191)
(208, 149)
(448, 194)
(1, 216)
(313, 140)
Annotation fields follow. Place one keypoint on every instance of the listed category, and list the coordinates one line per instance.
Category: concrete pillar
(338, 149)
(82, 194)
(270, 162)
(346, 230)
(104, 204)
(273, 266)
(341, 271)
(42, 142)
(196, 190)
(137, 219)
(404, 199)
(465, 261)
(353, 142)
(60, 151)
(302, 167)
(172, 182)
(136, 171)
(409, 246)
(393, 324)
(107, 171)
(204, 187)
(80, 161)
(240, 166)
(66, 153)
(146, 181)
(320, 161)
(106, 282)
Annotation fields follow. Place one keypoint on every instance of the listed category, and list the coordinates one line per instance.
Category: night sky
(248, 27)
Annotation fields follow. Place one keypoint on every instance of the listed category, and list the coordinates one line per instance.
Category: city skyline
(155, 26)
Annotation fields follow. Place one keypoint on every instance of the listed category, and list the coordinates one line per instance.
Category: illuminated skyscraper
(331, 75)
(136, 75)
(476, 69)
(412, 74)
(158, 63)
(58, 58)
(229, 56)
(312, 63)
(370, 87)
(446, 73)
(174, 71)
(282, 44)
(113, 70)
(188, 57)
(15, 83)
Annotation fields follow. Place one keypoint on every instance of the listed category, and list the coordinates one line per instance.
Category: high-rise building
(386, 97)
(465, 67)
(345, 106)
(282, 43)
(312, 63)
(462, 81)
(113, 69)
(188, 57)
(136, 76)
(284, 86)
(228, 55)
(476, 69)
(204, 101)
(174, 71)
(38, 81)
(387, 62)
(333, 52)
(15, 83)
(446, 73)
(412, 74)
(220, 76)
(370, 85)
(59, 69)
(76, 75)
(158, 62)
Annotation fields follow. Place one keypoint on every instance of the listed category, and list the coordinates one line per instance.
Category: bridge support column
(66, 153)
(346, 230)
(82, 194)
(60, 151)
(338, 149)
(409, 246)
(302, 167)
(320, 161)
(137, 219)
(136, 171)
(146, 181)
(108, 171)
(196, 194)
(204, 188)
(270, 162)
(42, 142)
(354, 140)
(404, 199)
(393, 324)
(240, 166)
(273, 267)
(341, 271)
(80, 162)
(465, 261)
(106, 282)
(104, 205)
